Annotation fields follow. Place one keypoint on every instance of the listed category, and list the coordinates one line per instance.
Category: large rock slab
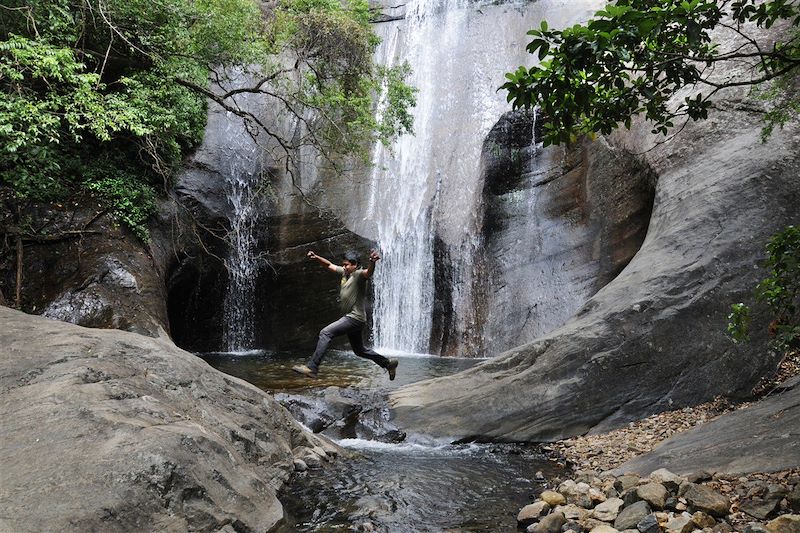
(653, 338)
(107, 430)
(759, 438)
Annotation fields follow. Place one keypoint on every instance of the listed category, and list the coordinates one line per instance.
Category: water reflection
(272, 371)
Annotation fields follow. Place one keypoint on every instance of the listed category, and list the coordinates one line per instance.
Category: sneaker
(392, 368)
(303, 369)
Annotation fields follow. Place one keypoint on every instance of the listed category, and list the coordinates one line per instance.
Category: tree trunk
(18, 298)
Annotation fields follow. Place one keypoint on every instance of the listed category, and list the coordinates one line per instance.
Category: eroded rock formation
(559, 224)
(85, 269)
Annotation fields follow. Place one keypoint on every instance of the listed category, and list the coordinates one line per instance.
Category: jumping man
(352, 290)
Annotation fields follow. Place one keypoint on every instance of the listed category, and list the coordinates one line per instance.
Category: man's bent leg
(357, 343)
(340, 327)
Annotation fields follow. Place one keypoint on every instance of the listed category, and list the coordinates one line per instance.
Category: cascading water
(241, 263)
(426, 188)
(243, 166)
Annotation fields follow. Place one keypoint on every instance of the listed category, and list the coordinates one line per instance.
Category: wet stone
(531, 513)
(553, 498)
(549, 524)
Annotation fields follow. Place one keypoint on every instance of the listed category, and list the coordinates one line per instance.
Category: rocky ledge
(107, 430)
(667, 503)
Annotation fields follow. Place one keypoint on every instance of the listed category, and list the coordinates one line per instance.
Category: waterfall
(425, 190)
(242, 166)
(241, 262)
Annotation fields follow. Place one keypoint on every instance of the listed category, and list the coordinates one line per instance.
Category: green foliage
(106, 96)
(338, 82)
(131, 201)
(635, 55)
(780, 290)
(739, 323)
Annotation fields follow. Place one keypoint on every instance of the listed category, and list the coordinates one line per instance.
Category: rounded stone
(553, 498)
(653, 493)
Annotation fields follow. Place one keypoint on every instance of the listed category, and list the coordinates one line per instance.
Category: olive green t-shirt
(351, 294)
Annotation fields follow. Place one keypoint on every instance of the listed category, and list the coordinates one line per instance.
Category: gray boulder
(531, 513)
(549, 524)
(742, 441)
(632, 515)
(608, 510)
(649, 524)
(105, 430)
(708, 500)
(654, 494)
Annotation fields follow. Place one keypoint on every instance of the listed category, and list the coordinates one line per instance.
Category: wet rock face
(294, 298)
(559, 224)
(129, 433)
(301, 297)
(344, 414)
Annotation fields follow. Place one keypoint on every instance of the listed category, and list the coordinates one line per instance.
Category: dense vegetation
(635, 56)
(103, 98)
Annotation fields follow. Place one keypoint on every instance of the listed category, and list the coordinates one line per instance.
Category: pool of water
(272, 371)
(412, 488)
(402, 487)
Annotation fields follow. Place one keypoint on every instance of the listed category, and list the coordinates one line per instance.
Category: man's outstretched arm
(373, 258)
(322, 261)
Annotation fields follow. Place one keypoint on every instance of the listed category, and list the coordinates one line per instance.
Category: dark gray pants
(353, 329)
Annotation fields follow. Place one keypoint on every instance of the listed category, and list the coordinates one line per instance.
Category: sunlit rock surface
(759, 438)
(654, 338)
(106, 430)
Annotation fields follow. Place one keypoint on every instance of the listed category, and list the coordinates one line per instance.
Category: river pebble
(668, 503)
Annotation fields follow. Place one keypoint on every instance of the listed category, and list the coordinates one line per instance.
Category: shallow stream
(408, 486)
